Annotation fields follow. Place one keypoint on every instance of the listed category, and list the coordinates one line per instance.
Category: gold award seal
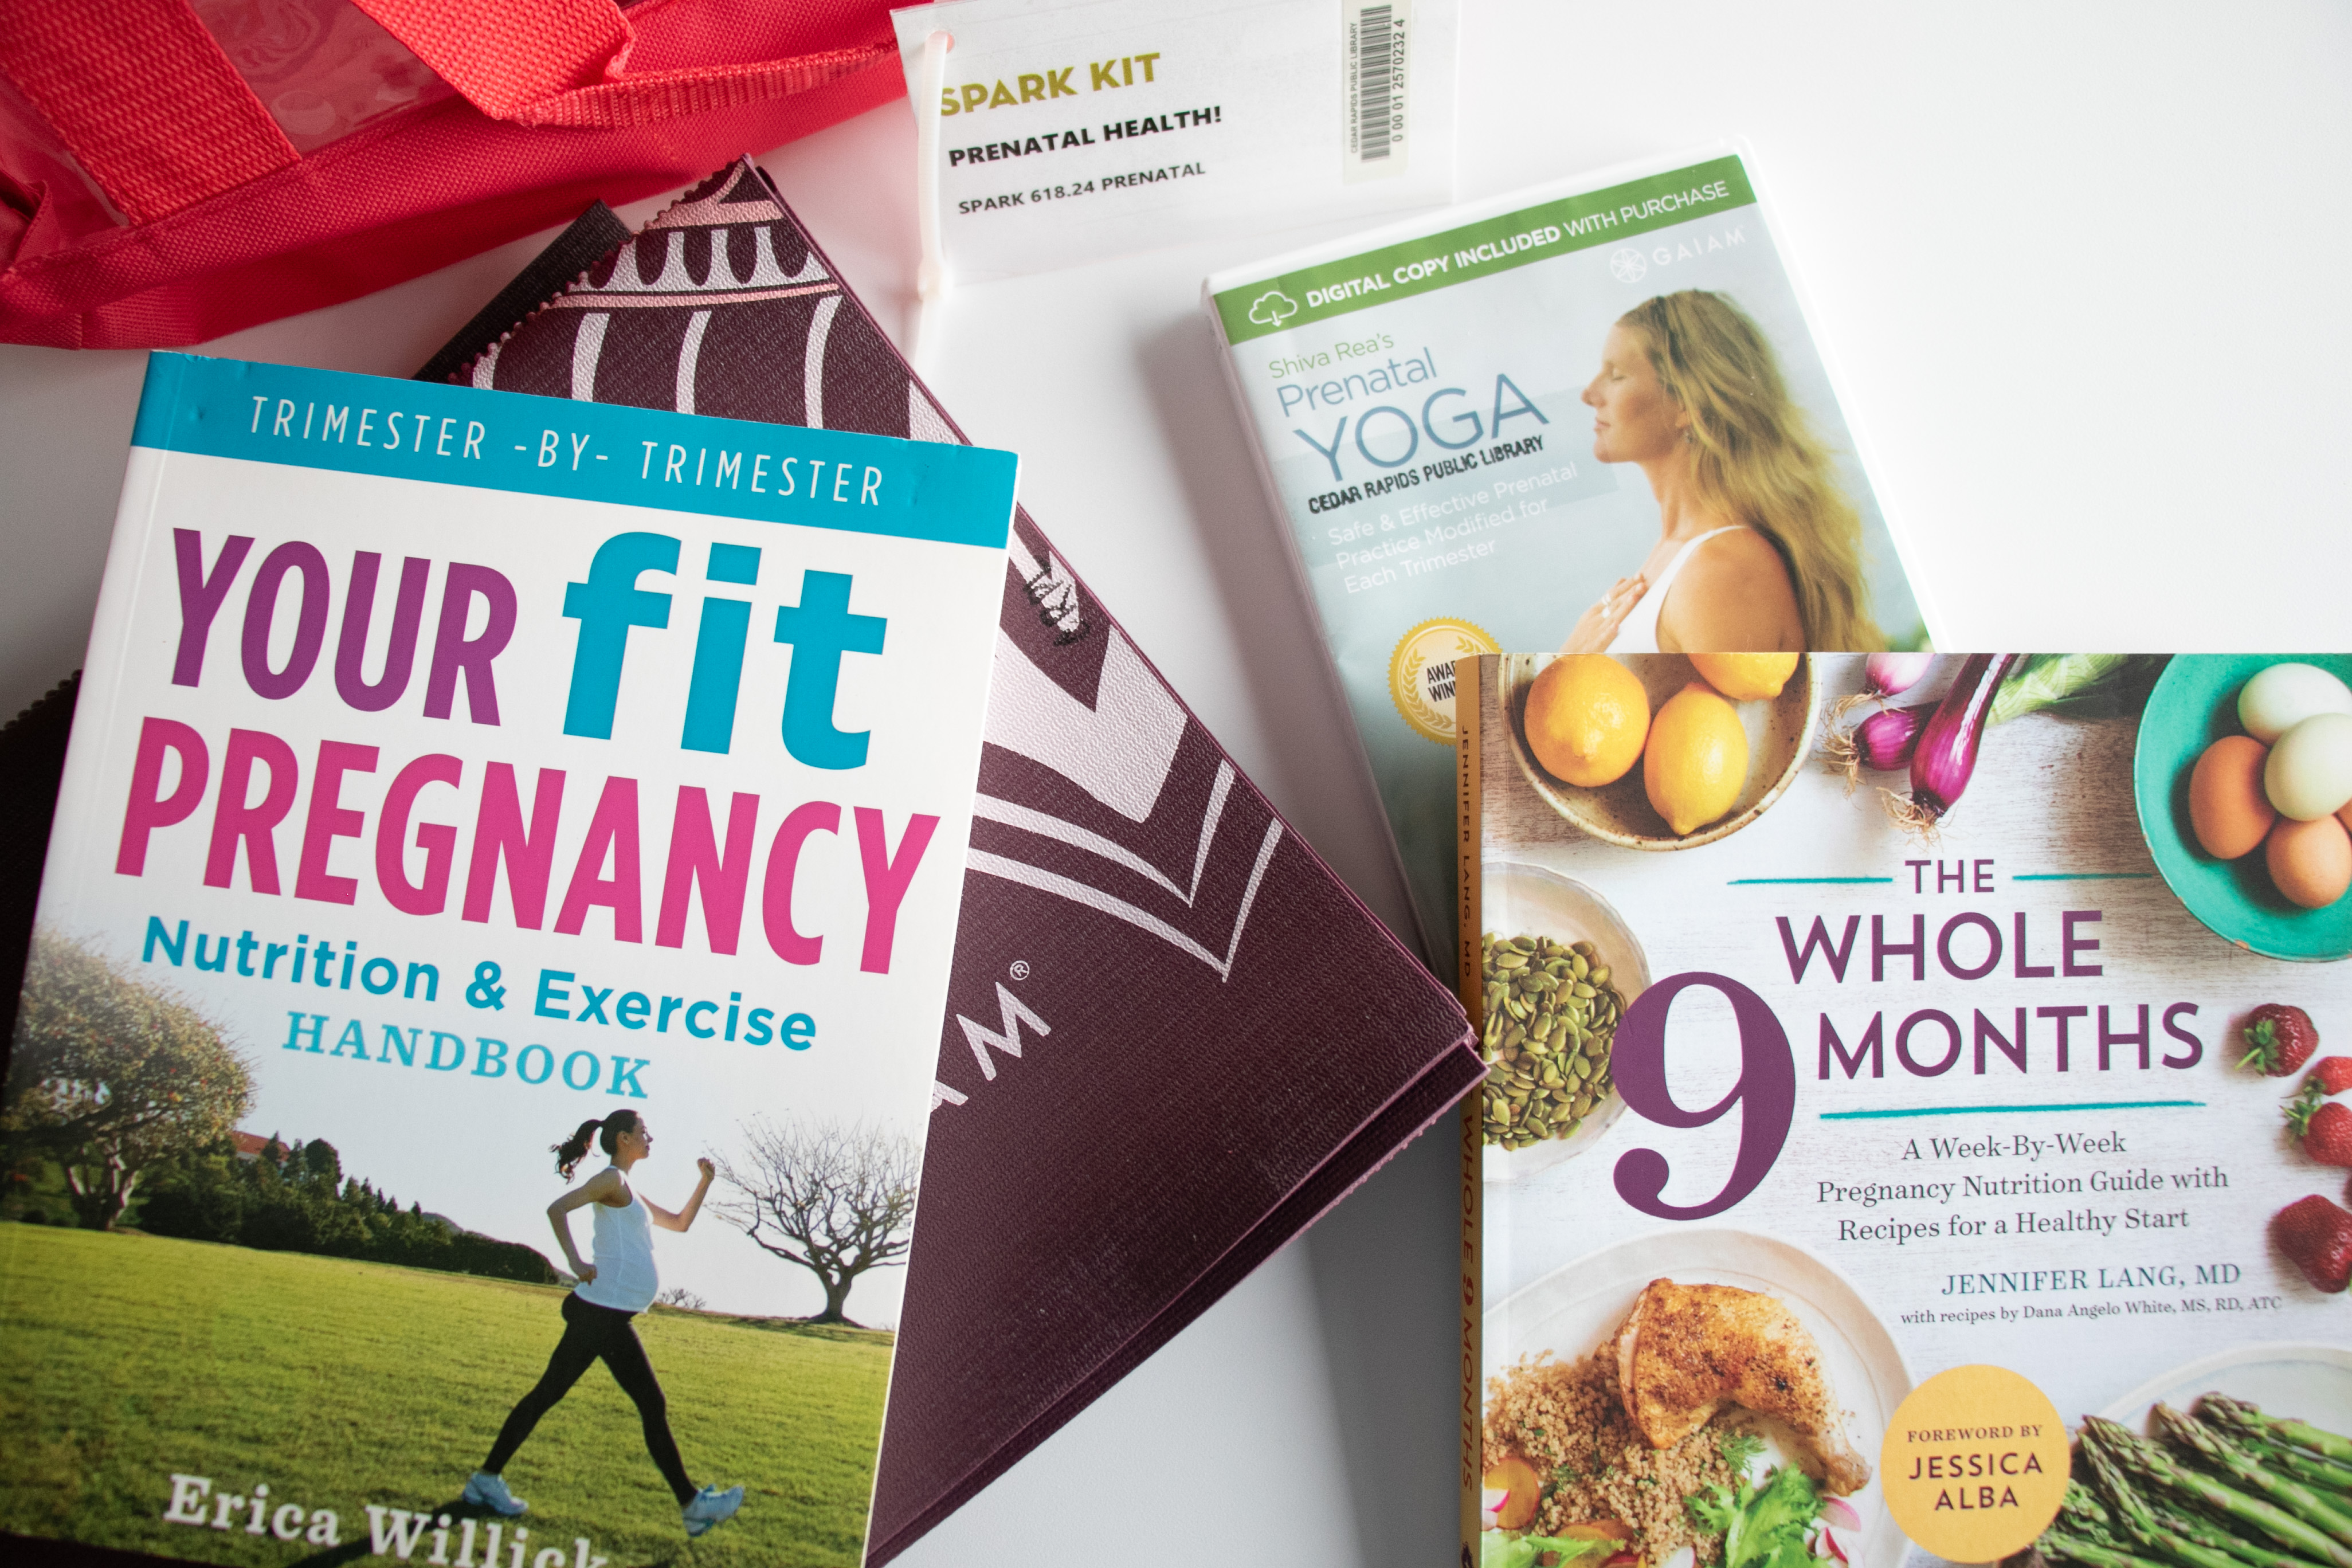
(1974, 1465)
(1421, 673)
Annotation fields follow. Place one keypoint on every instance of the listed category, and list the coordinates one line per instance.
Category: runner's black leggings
(592, 1332)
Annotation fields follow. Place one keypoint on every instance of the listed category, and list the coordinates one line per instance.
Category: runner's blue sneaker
(490, 1492)
(711, 1506)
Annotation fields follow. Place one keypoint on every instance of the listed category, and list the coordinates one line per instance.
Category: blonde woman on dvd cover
(1757, 549)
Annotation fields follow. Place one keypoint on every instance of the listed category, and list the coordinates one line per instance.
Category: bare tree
(110, 1077)
(838, 1200)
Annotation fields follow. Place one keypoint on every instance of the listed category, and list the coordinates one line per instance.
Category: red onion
(1893, 674)
(1884, 675)
(1884, 742)
(1881, 743)
(1946, 753)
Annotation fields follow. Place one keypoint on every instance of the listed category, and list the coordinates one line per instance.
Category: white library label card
(1072, 131)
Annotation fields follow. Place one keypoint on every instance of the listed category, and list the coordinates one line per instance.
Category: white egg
(2309, 772)
(2278, 698)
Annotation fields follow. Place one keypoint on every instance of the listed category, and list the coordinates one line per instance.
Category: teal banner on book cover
(583, 451)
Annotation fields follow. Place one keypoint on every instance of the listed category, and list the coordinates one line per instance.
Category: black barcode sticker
(1376, 71)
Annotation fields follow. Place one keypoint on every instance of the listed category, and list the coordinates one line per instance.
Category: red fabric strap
(144, 96)
(563, 62)
(505, 55)
(397, 198)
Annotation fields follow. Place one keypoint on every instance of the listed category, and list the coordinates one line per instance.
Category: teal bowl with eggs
(2195, 704)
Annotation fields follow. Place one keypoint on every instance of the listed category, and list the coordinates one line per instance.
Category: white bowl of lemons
(1660, 751)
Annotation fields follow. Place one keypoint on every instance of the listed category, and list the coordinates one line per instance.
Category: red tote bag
(172, 170)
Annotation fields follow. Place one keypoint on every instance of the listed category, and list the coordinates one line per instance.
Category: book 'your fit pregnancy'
(505, 844)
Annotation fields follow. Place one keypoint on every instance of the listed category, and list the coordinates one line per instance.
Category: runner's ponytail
(603, 1132)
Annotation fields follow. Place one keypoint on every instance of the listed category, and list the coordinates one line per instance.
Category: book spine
(81, 812)
(1469, 678)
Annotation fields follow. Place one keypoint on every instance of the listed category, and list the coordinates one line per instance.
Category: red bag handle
(159, 117)
(145, 99)
(564, 62)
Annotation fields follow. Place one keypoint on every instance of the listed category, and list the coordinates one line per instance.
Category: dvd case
(1588, 415)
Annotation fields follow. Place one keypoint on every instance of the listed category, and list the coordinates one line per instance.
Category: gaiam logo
(1629, 264)
(1273, 308)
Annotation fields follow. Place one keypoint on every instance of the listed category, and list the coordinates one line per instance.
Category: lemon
(1747, 677)
(1586, 717)
(1697, 759)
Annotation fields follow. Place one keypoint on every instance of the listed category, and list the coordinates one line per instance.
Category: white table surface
(2084, 268)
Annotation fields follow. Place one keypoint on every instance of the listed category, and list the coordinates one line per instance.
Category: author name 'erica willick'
(397, 1533)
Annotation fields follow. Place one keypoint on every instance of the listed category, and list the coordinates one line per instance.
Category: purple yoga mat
(1173, 1037)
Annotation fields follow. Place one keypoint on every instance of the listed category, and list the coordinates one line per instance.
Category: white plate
(1574, 1309)
(2308, 1382)
(1517, 899)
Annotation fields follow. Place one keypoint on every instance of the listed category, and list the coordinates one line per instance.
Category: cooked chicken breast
(1686, 1350)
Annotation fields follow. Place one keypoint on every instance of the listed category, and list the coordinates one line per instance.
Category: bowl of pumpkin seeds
(1559, 968)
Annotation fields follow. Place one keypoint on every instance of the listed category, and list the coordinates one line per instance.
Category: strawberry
(2333, 1074)
(2316, 1237)
(2324, 1125)
(2281, 1036)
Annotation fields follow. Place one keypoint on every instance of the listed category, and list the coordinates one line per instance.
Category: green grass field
(124, 1358)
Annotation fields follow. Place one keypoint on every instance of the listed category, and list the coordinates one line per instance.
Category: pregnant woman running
(616, 1287)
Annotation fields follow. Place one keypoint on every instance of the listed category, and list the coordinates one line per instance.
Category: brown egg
(2310, 862)
(2226, 804)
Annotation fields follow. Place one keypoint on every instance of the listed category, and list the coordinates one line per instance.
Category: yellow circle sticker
(1421, 673)
(1974, 1465)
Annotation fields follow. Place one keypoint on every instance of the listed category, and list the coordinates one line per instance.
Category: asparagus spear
(2205, 1531)
(2301, 1433)
(2305, 1435)
(2258, 1440)
(2180, 1522)
(2059, 1544)
(2147, 1459)
(2087, 1532)
(2216, 1449)
(2138, 1520)
(2087, 1513)
(2243, 1425)
(2308, 1467)
(2335, 1481)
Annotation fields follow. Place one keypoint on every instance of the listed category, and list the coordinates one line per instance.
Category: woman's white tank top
(627, 1280)
(1638, 632)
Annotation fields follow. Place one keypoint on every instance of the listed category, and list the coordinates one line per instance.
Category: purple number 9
(1766, 1092)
